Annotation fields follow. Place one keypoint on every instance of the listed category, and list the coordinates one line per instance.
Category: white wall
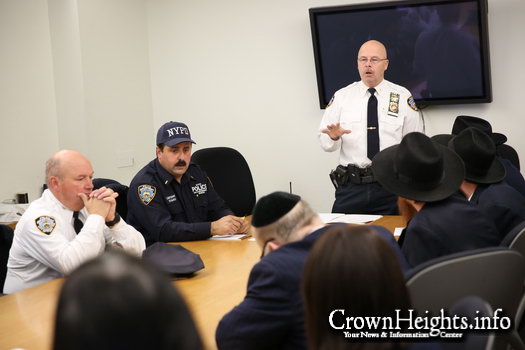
(27, 99)
(75, 74)
(115, 64)
(240, 73)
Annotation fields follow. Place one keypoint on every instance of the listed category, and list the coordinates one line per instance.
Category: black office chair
(230, 175)
(122, 190)
(515, 239)
(494, 274)
(6, 239)
(471, 307)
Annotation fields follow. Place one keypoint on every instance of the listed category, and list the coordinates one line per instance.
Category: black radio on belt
(351, 173)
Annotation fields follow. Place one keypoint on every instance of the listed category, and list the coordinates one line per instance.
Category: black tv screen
(436, 49)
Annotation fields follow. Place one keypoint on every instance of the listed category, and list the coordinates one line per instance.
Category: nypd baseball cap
(173, 259)
(173, 133)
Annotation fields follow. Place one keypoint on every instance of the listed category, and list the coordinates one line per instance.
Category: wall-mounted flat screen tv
(439, 50)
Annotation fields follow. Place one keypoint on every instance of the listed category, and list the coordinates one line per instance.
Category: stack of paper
(237, 237)
(330, 218)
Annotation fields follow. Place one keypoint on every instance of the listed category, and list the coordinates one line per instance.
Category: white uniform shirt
(349, 108)
(46, 246)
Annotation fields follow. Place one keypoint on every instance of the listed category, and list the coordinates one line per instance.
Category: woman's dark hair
(350, 268)
(118, 301)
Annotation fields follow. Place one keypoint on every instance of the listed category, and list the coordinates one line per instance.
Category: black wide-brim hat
(466, 121)
(478, 152)
(419, 169)
(442, 139)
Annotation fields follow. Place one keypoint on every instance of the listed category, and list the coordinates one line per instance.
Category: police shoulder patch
(412, 103)
(146, 193)
(45, 224)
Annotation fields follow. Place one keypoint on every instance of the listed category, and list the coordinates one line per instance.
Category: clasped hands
(101, 202)
(229, 225)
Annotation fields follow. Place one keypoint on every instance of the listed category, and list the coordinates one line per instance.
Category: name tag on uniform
(171, 198)
(393, 105)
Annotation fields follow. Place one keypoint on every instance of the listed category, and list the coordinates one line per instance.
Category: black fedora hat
(442, 139)
(478, 152)
(465, 121)
(419, 169)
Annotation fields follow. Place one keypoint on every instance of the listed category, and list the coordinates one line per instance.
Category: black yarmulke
(272, 207)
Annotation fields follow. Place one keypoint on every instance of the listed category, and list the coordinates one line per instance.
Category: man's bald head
(375, 45)
(69, 173)
(372, 63)
(62, 159)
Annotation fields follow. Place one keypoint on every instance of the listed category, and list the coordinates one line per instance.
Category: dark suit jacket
(513, 177)
(444, 227)
(502, 203)
(271, 314)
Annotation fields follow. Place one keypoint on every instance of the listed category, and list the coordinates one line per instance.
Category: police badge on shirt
(393, 105)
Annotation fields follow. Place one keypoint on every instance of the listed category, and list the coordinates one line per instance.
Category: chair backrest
(515, 239)
(471, 307)
(122, 190)
(230, 175)
(493, 274)
(6, 239)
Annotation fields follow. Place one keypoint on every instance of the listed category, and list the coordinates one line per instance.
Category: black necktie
(77, 223)
(373, 126)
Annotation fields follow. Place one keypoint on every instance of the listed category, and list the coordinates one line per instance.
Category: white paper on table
(357, 218)
(329, 217)
(237, 237)
(398, 231)
(12, 212)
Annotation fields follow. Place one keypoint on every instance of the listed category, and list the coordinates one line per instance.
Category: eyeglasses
(373, 60)
(264, 252)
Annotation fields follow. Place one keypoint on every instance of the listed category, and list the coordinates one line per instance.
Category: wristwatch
(114, 221)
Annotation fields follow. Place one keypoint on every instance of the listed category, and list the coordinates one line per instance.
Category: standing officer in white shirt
(69, 224)
(360, 120)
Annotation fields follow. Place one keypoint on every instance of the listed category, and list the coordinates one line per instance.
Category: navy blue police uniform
(164, 210)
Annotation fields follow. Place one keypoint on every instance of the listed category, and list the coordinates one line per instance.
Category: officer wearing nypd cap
(362, 119)
(172, 200)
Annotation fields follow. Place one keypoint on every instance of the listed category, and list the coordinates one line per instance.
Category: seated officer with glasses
(360, 120)
(271, 314)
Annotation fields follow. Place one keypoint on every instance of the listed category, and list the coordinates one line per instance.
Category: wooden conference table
(27, 317)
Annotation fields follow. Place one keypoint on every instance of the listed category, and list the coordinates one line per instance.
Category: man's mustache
(180, 163)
